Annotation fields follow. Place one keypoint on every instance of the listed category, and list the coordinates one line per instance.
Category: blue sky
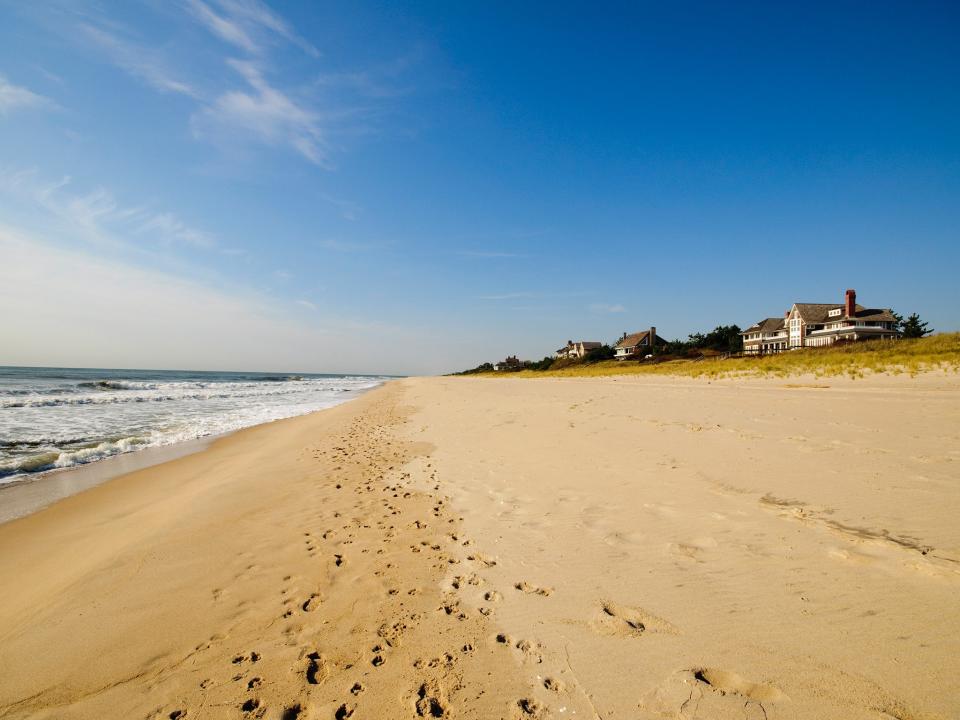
(348, 186)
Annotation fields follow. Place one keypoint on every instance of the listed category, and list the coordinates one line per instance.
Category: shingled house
(574, 350)
(638, 343)
(819, 324)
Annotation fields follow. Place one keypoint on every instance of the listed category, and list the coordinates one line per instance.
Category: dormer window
(837, 312)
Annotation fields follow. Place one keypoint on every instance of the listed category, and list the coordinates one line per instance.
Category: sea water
(54, 418)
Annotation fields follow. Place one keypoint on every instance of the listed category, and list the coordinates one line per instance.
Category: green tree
(604, 352)
(913, 327)
(897, 321)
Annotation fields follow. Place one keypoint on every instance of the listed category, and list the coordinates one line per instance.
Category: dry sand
(484, 548)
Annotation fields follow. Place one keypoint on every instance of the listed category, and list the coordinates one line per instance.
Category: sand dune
(502, 548)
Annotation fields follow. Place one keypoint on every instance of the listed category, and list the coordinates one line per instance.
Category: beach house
(818, 325)
(638, 343)
(576, 350)
(510, 363)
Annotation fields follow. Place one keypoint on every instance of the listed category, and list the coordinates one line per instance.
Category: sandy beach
(506, 548)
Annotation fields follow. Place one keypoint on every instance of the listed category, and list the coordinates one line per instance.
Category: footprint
(252, 657)
(623, 621)
(343, 712)
(530, 649)
(318, 669)
(312, 603)
(724, 682)
(292, 712)
(525, 587)
(530, 708)
(554, 685)
(250, 705)
(430, 700)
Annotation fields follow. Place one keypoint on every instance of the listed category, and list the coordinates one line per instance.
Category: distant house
(574, 350)
(637, 343)
(511, 363)
(818, 325)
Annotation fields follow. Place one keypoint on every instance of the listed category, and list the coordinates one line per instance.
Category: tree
(544, 364)
(913, 327)
(604, 352)
(897, 321)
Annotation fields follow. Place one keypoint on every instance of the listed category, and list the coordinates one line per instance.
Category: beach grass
(937, 352)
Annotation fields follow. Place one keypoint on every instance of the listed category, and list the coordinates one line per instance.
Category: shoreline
(22, 497)
(35, 491)
(480, 548)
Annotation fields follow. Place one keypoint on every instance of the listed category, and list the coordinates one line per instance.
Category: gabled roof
(589, 344)
(766, 326)
(817, 313)
(637, 338)
(632, 340)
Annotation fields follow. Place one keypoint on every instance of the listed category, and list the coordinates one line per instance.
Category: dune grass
(856, 360)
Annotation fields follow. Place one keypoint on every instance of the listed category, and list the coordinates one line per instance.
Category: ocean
(54, 418)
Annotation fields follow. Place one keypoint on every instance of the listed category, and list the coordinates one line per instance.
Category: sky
(420, 187)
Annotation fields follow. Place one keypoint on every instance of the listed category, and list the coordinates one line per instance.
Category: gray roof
(875, 314)
(637, 338)
(817, 313)
(766, 326)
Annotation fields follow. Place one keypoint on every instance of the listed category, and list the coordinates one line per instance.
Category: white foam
(125, 416)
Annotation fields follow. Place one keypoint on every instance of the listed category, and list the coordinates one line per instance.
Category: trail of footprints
(361, 539)
(347, 539)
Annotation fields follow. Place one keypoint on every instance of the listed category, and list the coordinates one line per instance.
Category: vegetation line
(856, 360)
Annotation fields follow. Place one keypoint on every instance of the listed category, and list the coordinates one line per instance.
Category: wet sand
(483, 548)
(28, 495)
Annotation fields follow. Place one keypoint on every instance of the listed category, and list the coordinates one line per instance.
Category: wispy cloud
(168, 226)
(98, 215)
(246, 24)
(264, 113)
(137, 60)
(382, 80)
(348, 209)
(221, 26)
(306, 303)
(255, 104)
(13, 97)
(604, 308)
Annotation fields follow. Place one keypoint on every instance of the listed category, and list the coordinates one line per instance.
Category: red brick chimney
(850, 303)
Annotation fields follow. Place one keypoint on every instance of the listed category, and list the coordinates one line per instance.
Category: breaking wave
(49, 422)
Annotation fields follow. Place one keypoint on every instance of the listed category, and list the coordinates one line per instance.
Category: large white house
(819, 324)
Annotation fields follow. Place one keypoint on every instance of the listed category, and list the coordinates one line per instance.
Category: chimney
(850, 303)
(786, 314)
(653, 336)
